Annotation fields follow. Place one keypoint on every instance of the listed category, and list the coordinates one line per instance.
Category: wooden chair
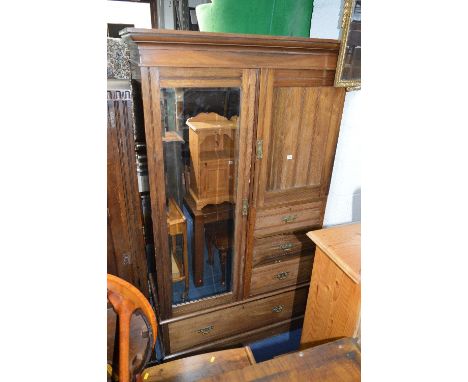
(177, 225)
(219, 235)
(126, 299)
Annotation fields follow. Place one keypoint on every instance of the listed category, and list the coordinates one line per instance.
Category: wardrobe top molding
(159, 47)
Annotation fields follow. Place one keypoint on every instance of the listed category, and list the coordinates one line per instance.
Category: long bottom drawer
(229, 321)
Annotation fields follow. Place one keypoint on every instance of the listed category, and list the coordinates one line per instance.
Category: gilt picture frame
(348, 70)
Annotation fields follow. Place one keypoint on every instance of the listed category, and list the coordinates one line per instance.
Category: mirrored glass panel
(352, 58)
(200, 137)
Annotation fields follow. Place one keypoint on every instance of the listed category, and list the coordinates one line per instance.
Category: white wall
(123, 12)
(344, 199)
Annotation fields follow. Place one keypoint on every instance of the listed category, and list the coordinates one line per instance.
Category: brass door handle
(289, 218)
(281, 275)
(277, 309)
(205, 330)
(285, 246)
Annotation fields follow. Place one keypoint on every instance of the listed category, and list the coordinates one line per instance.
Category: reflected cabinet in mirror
(200, 135)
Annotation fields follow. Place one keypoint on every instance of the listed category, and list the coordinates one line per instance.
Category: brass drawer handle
(205, 330)
(281, 275)
(278, 309)
(286, 246)
(289, 218)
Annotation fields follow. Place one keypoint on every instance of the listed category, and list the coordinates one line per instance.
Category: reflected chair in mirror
(126, 300)
(219, 236)
(177, 225)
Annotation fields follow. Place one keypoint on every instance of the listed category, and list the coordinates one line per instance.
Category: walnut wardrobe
(241, 132)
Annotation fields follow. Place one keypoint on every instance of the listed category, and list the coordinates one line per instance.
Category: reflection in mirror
(352, 59)
(200, 137)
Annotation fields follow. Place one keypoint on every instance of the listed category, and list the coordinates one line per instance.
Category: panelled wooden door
(298, 126)
(126, 256)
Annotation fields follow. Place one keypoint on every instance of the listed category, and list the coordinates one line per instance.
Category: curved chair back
(126, 299)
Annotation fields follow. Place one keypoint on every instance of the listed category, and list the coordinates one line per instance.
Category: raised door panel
(298, 129)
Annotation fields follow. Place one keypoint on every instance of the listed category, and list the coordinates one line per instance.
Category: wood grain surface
(126, 255)
(243, 338)
(289, 218)
(331, 362)
(220, 40)
(334, 300)
(342, 244)
(295, 170)
(208, 327)
(280, 247)
(200, 366)
(271, 277)
(333, 304)
(286, 94)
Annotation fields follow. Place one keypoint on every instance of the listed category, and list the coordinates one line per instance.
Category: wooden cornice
(227, 40)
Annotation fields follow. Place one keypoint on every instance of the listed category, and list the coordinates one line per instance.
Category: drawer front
(277, 248)
(223, 323)
(293, 218)
(268, 278)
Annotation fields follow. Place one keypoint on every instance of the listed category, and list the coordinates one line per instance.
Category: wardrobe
(241, 132)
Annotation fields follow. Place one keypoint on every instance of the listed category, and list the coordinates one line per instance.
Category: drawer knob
(278, 309)
(282, 275)
(286, 246)
(205, 330)
(289, 218)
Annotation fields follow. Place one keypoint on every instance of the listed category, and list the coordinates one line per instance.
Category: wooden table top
(210, 209)
(335, 361)
(199, 366)
(342, 244)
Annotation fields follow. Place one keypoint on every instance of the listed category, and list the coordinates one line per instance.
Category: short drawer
(268, 278)
(287, 219)
(270, 249)
(236, 319)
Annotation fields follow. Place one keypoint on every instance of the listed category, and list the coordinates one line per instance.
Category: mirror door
(203, 134)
